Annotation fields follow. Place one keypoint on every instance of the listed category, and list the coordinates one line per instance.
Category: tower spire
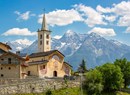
(44, 24)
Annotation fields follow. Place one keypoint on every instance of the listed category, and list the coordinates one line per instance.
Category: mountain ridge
(95, 49)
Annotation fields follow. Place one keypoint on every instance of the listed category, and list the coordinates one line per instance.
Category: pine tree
(82, 67)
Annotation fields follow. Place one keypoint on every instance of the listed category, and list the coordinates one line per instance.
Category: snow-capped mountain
(19, 44)
(95, 49)
(68, 43)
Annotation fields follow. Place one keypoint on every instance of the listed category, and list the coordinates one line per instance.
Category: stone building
(11, 65)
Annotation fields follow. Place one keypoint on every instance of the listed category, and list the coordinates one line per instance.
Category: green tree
(82, 67)
(112, 77)
(93, 83)
(125, 69)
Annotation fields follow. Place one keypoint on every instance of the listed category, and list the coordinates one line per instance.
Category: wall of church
(67, 69)
(38, 59)
(33, 70)
(54, 68)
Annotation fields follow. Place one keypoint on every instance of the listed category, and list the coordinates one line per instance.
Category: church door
(55, 73)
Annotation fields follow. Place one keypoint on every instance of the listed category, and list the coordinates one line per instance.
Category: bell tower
(44, 37)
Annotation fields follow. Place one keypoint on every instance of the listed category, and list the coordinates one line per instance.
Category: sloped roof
(13, 54)
(6, 45)
(40, 54)
(37, 62)
(68, 64)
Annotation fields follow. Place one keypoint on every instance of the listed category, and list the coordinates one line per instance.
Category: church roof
(41, 54)
(37, 62)
(68, 64)
(6, 45)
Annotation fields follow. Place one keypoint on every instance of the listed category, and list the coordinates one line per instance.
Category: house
(47, 62)
(12, 66)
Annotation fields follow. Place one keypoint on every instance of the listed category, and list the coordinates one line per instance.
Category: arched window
(40, 36)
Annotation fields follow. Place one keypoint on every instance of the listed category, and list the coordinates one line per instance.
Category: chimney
(18, 52)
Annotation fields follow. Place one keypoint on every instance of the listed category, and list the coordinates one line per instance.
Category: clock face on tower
(56, 57)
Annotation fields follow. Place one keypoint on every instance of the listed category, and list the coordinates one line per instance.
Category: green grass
(74, 91)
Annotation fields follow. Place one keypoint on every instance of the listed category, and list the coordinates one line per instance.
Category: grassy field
(73, 91)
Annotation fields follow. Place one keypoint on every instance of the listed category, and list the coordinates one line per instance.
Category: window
(9, 60)
(47, 42)
(9, 68)
(40, 36)
(40, 42)
(2, 75)
(1, 68)
(47, 36)
(43, 66)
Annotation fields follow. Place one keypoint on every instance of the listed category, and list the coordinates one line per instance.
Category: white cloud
(57, 37)
(103, 31)
(24, 16)
(103, 10)
(119, 9)
(23, 41)
(124, 20)
(91, 16)
(128, 30)
(61, 17)
(20, 32)
(111, 18)
(122, 8)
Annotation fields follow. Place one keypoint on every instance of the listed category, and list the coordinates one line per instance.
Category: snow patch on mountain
(70, 33)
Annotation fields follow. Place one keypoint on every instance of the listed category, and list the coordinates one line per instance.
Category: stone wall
(36, 86)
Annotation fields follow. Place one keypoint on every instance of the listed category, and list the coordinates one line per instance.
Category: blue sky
(20, 19)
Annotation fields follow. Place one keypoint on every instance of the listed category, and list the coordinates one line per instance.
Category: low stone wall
(36, 86)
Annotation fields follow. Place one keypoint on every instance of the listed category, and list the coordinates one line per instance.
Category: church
(44, 63)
